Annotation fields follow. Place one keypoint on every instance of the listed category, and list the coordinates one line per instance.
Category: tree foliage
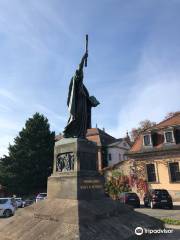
(171, 114)
(116, 184)
(30, 158)
(143, 125)
(119, 183)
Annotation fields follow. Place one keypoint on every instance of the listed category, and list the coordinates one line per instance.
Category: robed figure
(79, 105)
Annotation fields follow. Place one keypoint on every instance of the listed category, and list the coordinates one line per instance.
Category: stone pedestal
(67, 213)
(75, 173)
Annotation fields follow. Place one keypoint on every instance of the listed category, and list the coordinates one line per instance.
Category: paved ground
(4, 221)
(159, 213)
(171, 236)
(164, 213)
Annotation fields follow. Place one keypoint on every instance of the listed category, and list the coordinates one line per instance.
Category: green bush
(170, 221)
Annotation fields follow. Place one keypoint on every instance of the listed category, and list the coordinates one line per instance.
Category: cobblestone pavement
(175, 213)
(168, 236)
(4, 221)
(164, 213)
(161, 213)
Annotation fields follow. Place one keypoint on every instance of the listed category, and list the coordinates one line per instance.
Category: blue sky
(133, 65)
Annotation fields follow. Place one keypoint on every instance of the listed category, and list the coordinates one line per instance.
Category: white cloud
(3, 150)
(156, 87)
(8, 95)
(155, 93)
(30, 23)
(151, 102)
(4, 108)
(4, 143)
(55, 119)
(9, 124)
(37, 37)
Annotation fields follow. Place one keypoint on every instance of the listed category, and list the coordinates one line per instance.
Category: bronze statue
(79, 104)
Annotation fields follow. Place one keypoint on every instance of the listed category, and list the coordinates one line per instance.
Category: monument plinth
(75, 173)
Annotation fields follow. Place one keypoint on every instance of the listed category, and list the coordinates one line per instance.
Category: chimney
(127, 137)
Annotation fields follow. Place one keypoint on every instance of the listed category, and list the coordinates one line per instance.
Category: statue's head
(77, 72)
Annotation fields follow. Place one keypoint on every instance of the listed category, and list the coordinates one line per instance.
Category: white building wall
(117, 152)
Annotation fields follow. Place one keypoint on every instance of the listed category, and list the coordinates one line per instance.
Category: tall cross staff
(86, 49)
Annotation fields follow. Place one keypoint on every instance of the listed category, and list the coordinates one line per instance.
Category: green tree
(30, 159)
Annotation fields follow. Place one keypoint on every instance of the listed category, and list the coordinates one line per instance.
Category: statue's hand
(82, 61)
(86, 55)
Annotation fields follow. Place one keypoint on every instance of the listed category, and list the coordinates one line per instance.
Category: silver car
(41, 196)
(19, 202)
(7, 207)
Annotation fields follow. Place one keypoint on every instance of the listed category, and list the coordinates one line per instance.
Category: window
(109, 157)
(157, 138)
(174, 172)
(151, 174)
(159, 192)
(169, 137)
(177, 135)
(3, 201)
(147, 140)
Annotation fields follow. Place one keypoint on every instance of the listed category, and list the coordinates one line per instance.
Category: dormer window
(147, 140)
(169, 136)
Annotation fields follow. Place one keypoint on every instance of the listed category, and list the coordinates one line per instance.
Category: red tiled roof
(172, 121)
(137, 144)
(96, 135)
(99, 136)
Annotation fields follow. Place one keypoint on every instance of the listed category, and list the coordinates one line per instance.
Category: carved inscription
(91, 184)
(65, 162)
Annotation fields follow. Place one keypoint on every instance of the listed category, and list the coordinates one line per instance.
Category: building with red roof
(156, 156)
(105, 144)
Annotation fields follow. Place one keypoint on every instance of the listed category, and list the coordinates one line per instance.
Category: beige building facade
(159, 172)
(156, 156)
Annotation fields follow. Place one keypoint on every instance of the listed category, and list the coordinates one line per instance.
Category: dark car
(28, 202)
(130, 198)
(158, 198)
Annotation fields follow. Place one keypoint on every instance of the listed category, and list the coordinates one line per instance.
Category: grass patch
(170, 221)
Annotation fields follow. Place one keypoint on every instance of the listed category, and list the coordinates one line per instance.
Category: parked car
(7, 207)
(41, 196)
(28, 202)
(19, 202)
(130, 198)
(158, 198)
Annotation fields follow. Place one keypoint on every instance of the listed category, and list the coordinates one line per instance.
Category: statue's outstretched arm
(81, 65)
